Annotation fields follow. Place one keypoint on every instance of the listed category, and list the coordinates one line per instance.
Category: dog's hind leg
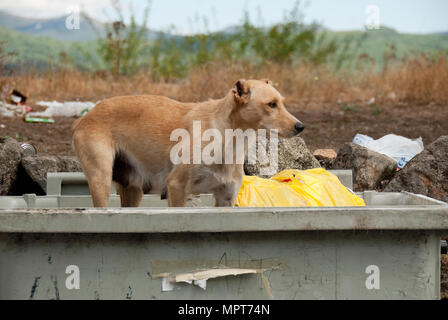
(130, 196)
(97, 159)
(175, 183)
(131, 185)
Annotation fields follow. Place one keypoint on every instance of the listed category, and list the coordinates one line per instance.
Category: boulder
(371, 170)
(36, 167)
(10, 156)
(426, 174)
(325, 157)
(292, 154)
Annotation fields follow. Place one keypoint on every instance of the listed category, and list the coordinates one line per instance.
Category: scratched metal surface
(312, 265)
(317, 250)
(70, 214)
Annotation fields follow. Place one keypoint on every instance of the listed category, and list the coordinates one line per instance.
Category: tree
(3, 56)
(119, 46)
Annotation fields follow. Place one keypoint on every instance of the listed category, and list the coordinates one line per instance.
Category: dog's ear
(267, 81)
(241, 92)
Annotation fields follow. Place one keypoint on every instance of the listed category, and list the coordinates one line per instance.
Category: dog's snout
(299, 127)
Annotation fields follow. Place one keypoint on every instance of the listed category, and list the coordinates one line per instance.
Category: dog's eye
(273, 104)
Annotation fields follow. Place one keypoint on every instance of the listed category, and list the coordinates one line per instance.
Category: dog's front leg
(223, 203)
(227, 192)
(225, 195)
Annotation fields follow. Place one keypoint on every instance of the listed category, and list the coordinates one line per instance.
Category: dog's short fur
(127, 140)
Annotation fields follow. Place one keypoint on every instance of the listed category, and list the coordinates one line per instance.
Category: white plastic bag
(399, 148)
(63, 109)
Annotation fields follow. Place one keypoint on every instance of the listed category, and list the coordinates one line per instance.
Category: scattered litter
(38, 120)
(26, 109)
(17, 101)
(28, 150)
(399, 148)
(9, 110)
(84, 112)
(17, 107)
(296, 188)
(63, 109)
(17, 97)
(371, 101)
(2, 126)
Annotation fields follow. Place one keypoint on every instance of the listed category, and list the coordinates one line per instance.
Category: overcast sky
(413, 16)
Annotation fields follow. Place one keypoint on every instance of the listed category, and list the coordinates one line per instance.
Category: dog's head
(260, 106)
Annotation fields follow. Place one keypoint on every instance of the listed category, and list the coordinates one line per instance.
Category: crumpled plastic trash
(63, 109)
(9, 110)
(399, 148)
(297, 188)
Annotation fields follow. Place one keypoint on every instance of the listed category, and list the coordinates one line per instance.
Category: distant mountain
(55, 27)
(15, 22)
(40, 52)
(376, 42)
(38, 43)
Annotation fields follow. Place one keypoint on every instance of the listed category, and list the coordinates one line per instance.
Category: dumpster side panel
(407, 268)
(287, 265)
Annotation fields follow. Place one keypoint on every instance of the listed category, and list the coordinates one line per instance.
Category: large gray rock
(371, 170)
(292, 154)
(10, 156)
(37, 167)
(426, 174)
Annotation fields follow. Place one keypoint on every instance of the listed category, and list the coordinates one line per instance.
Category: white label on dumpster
(167, 285)
(373, 280)
(199, 278)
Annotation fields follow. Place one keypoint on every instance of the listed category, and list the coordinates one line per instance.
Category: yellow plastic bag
(296, 188)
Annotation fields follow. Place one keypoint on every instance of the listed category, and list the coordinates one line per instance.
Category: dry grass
(418, 81)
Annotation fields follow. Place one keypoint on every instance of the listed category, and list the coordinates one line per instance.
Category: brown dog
(128, 140)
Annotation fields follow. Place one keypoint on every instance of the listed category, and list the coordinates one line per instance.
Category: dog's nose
(299, 127)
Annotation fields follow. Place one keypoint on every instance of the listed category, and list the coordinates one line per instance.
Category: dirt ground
(325, 128)
(335, 125)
